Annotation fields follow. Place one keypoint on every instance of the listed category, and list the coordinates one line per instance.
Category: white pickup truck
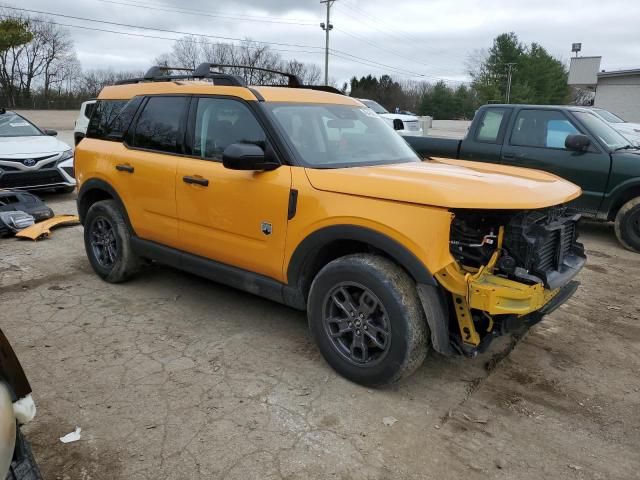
(405, 125)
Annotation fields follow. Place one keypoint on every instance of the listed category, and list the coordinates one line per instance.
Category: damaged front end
(511, 269)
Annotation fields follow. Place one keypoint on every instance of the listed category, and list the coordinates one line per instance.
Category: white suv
(82, 122)
(406, 125)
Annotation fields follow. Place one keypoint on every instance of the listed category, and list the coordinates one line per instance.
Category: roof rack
(159, 74)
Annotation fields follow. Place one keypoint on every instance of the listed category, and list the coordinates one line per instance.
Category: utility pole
(510, 67)
(327, 27)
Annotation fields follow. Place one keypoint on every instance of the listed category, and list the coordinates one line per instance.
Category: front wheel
(366, 318)
(627, 225)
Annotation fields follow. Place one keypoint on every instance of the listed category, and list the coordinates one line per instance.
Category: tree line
(39, 68)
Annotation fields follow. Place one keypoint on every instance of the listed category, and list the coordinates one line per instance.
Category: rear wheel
(107, 241)
(627, 225)
(366, 318)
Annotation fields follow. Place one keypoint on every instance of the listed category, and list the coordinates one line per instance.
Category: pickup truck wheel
(107, 241)
(627, 225)
(367, 320)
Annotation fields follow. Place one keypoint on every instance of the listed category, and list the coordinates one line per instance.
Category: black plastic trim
(219, 272)
(293, 204)
(312, 245)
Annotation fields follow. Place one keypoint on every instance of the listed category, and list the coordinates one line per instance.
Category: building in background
(617, 91)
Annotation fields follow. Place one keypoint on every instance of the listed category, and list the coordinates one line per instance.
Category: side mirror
(247, 156)
(51, 133)
(578, 143)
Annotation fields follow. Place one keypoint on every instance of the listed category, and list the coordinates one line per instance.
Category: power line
(156, 37)
(206, 13)
(394, 52)
(220, 37)
(397, 36)
(335, 52)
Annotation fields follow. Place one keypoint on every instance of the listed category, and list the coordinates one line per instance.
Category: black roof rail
(204, 69)
(158, 74)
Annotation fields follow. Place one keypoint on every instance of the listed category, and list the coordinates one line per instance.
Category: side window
(541, 128)
(121, 123)
(88, 109)
(490, 125)
(221, 122)
(105, 112)
(158, 125)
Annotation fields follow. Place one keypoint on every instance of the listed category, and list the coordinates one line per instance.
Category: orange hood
(449, 183)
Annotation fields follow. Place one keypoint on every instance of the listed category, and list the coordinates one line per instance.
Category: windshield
(602, 130)
(375, 106)
(334, 136)
(609, 117)
(13, 125)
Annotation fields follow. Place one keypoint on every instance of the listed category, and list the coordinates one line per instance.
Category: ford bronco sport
(308, 198)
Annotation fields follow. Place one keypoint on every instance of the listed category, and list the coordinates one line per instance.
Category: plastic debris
(43, 229)
(71, 437)
(389, 421)
(14, 221)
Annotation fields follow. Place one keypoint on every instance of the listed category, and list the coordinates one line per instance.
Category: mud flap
(435, 310)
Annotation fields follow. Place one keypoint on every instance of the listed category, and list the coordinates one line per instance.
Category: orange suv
(304, 196)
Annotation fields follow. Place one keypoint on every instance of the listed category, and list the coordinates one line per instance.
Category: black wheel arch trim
(92, 185)
(307, 250)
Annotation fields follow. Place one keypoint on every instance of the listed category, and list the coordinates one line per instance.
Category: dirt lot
(171, 376)
(174, 377)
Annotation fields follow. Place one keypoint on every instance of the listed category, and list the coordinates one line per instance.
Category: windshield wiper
(626, 147)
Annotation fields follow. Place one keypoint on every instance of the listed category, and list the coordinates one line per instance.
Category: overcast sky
(420, 39)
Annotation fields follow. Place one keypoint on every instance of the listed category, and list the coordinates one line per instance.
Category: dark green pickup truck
(570, 142)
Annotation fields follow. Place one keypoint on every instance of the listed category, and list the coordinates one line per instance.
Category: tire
(107, 241)
(378, 289)
(66, 189)
(627, 225)
(23, 466)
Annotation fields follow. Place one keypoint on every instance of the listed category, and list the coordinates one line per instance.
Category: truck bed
(435, 146)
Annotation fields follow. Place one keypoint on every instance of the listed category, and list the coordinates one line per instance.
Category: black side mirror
(51, 133)
(247, 156)
(578, 143)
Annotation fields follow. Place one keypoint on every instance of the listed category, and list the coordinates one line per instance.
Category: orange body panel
(407, 202)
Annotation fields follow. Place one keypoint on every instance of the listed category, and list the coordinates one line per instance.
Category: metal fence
(37, 102)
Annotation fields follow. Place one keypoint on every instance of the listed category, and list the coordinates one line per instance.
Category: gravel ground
(171, 376)
(175, 377)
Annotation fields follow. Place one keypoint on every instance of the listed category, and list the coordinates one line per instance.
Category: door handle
(196, 181)
(508, 156)
(124, 168)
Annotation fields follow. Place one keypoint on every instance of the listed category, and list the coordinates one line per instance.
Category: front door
(537, 141)
(238, 218)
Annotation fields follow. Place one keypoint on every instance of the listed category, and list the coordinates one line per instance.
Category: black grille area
(30, 179)
(544, 243)
(539, 246)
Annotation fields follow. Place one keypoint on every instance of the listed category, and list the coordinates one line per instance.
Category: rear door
(238, 218)
(144, 167)
(537, 141)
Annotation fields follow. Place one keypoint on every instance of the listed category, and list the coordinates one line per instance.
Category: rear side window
(88, 109)
(158, 125)
(105, 113)
(490, 125)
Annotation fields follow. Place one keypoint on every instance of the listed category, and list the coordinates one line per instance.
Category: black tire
(23, 466)
(388, 350)
(107, 241)
(65, 190)
(627, 225)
